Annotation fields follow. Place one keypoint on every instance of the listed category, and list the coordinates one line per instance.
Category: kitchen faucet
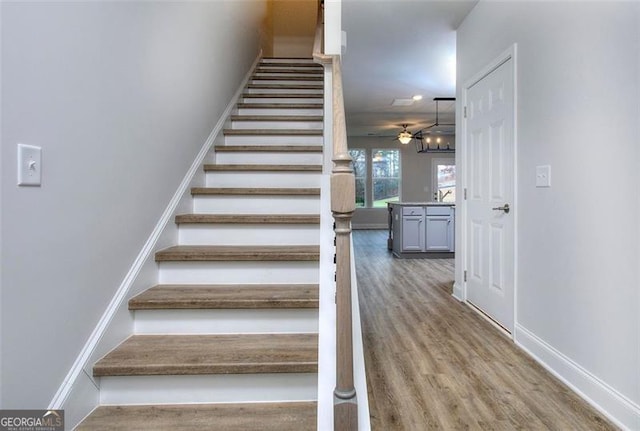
(441, 195)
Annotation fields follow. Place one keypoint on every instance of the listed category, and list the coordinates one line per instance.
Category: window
(377, 175)
(385, 175)
(444, 180)
(359, 158)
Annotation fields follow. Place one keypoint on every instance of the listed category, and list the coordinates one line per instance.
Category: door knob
(504, 208)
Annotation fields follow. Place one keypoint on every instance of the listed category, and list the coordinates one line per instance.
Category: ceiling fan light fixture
(405, 136)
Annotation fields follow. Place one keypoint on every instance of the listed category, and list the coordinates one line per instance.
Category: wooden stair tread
(231, 296)
(288, 78)
(270, 148)
(282, 416)
(211, 354)
(279, 191)
(248, 218)
(273, 132)
(217, 253)
(282, 96)
(280, 105)
(305, 118)
(264, 168)
(287, 86)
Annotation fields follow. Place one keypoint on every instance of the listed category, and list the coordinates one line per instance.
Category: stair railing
(345, 406)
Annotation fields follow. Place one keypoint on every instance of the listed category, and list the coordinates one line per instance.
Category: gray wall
(578, 280)
(416, 176)
(121, 97)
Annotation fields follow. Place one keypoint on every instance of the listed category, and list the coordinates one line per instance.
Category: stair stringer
(78, 393)
(327, 310)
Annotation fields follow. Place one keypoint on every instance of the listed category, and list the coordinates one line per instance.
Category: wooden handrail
(345, 410)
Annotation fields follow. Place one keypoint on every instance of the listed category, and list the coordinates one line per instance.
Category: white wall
(121, 96)
(293, 27)
(333, 27)
(578, 279)
(416, 176)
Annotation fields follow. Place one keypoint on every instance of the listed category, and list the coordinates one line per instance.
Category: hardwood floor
(433, 363)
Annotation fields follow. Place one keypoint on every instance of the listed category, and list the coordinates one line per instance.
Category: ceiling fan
(405, 136)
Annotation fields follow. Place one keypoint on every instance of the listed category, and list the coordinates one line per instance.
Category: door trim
(461, 173)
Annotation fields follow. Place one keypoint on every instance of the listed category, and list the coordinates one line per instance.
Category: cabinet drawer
(412, 211)
(438, 210)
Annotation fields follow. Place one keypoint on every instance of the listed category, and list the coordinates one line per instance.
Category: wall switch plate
(29, 165)
(543, 176)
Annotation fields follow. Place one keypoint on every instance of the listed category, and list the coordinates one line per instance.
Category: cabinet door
(438, 233)
(412, 233)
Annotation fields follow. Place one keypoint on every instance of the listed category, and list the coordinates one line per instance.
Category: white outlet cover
(543, 176)
(29, 165)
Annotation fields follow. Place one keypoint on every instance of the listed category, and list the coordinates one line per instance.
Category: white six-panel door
(490, 235)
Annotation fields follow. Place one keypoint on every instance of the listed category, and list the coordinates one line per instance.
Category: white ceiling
(396, 49)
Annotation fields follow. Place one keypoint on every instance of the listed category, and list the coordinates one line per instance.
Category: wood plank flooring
(433, 363)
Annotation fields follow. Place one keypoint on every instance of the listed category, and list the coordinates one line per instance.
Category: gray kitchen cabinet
(439, 229)
(421, 230)
(413, 233)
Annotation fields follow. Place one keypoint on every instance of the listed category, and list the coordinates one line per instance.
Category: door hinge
(465, 275)
(465, 194)
(465, 112)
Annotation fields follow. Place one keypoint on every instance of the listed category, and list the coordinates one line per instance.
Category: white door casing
(490, 176)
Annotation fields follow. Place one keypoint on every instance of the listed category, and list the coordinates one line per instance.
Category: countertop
(423, 204)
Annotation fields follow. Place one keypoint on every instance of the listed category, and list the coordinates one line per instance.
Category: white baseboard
(619, 409)
(68, 385)
(457, 292)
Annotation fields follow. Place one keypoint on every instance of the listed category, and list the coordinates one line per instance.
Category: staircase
(228, 339)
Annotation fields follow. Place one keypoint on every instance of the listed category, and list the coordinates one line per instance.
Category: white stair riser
(226, 321)
(299, 125)
(286, 60)
(285, 81)
(280, 111)
(262, 179)
(260, 158)
(314, 100)
(127, 390)
(273, 140)
(248, 234)
(284, 90)
(238, 272)
(282, 75)
(277, 66)
(256, 204)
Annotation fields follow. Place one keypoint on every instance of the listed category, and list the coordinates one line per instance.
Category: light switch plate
(543, 176)
(29, 165)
